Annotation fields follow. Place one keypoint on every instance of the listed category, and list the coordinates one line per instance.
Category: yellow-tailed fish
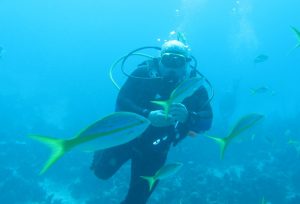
(164, 172)
(243, 124)
(262, 90)
(261, 58)
(115, 129)
(297, 32)
(185, 89)
(295, 144)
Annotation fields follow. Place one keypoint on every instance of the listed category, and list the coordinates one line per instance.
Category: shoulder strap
(152, 67)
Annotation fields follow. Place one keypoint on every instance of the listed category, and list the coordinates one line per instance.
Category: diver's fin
(58, 147)
(151, 181)
(164, 104)
(223, 142)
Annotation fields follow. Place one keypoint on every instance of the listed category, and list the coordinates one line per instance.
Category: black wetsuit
(148, 152)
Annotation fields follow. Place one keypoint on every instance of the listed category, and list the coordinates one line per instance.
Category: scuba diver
(155, 79)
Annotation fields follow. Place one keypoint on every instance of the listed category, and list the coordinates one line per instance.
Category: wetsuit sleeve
(131, 92)
(200, 114)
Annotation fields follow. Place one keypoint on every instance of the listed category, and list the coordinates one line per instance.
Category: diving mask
(174, 61)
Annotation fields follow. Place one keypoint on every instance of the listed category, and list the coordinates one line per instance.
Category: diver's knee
(103, 175)
(104, 170)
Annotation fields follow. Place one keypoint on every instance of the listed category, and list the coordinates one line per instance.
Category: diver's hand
(158, 118)
(179, 112)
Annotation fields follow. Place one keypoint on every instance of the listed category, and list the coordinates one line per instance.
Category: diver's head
(174, 60)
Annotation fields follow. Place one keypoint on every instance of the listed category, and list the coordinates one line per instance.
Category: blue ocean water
(54, 63)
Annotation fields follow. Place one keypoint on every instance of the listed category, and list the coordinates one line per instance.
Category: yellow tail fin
(164, 104)
(223, 143)
(58, 147)
(151, 181)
